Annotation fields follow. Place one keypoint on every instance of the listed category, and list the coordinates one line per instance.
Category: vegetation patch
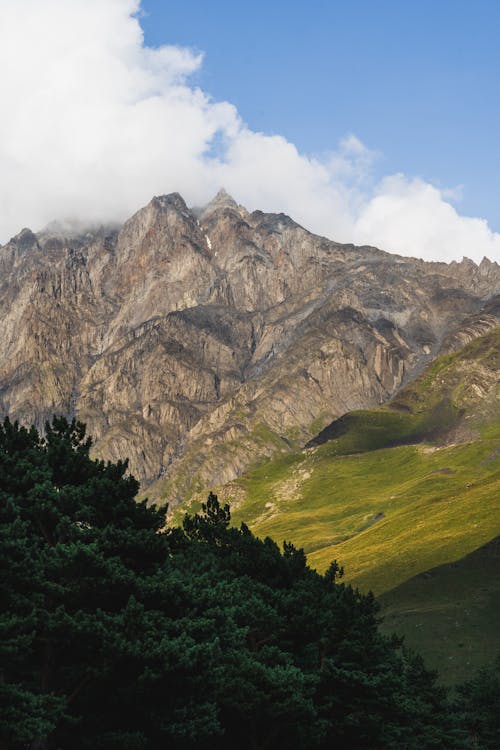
(426, 517)
(450, 611)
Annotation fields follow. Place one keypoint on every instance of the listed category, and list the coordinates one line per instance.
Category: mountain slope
(392, 493)
(199, 341)
(451, 611)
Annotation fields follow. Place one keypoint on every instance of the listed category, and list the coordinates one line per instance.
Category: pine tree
(119, 634)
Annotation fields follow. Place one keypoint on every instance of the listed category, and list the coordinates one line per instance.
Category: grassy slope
(385, 515)
(385, 497)
(451, 613)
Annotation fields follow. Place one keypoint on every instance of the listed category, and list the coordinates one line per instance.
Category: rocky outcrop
(197, 341)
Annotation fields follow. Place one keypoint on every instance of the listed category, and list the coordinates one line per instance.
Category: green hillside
(451, 613)
(387, 514)
(396, 491)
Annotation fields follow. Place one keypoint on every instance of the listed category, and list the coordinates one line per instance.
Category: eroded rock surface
(198, 341)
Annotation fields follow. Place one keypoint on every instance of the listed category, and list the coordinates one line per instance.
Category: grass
(368, 430)
(385, 515)
(450, 613)
(389, 516)
(384, 495)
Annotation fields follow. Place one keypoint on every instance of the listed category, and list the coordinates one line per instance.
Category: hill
(451, 613)
(392, 493)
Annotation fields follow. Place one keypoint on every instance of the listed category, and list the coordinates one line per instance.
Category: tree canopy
(118, 632)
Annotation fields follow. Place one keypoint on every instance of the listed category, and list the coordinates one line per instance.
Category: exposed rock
(221, 200)
(197, 342)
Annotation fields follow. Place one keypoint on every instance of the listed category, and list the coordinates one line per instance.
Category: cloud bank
(94, 122)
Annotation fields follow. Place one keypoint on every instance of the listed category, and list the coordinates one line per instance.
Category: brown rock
(195, 342)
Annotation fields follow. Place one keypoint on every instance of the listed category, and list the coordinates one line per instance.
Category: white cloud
(94, 123)
(411, 217)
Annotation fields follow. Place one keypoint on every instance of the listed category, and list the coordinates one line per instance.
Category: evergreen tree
(478, 704)
(119, 634)
(87, 623)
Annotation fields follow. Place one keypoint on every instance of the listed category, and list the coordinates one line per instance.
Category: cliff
(196, 341)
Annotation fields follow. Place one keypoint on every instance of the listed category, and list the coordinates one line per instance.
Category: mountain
(341, 397)
(406, 497)
(198, 342)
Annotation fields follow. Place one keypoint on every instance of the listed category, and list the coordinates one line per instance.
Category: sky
(374, 123)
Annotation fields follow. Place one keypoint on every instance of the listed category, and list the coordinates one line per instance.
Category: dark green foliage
(479, 706)
(116, 635)
(81, 568)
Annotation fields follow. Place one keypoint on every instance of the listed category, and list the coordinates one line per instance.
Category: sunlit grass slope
(385, 515)
(396, 490)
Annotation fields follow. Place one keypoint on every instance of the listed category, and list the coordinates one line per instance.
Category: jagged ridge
(196, 342)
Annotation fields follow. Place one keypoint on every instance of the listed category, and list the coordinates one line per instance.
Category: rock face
(197, 341)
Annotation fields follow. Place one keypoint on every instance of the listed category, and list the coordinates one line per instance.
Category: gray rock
(198, 342)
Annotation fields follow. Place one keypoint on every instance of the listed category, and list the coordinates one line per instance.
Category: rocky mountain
(196, 341)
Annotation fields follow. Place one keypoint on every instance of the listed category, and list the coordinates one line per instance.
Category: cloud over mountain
(94, 122)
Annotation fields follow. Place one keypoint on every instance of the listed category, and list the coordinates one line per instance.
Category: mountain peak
(168, 201)
(221, 200)
(25, 240)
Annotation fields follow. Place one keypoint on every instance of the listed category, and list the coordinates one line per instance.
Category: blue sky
(416, 81)
(368, 121)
